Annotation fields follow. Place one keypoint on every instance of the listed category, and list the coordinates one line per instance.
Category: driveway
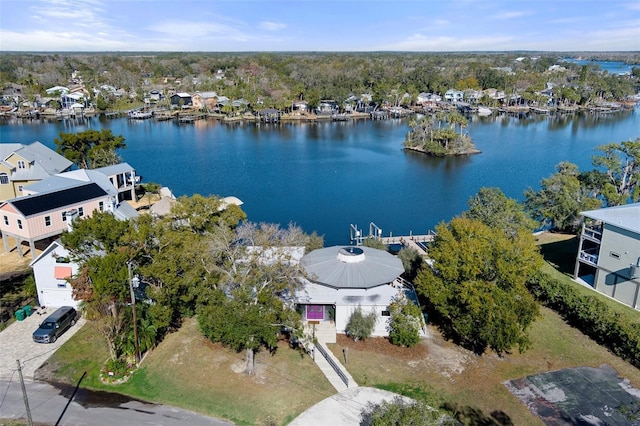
(17, 344)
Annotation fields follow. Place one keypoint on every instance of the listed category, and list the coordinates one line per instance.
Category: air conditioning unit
(634, 270)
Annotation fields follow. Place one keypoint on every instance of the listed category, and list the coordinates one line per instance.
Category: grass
(188, 371)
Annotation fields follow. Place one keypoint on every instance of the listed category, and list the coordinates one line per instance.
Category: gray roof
(625, 217)
(352, 267)
(115, 169)
(45, 160)
(73, 179)
(124, 211)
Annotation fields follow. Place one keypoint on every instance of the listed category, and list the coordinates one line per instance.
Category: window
(20, 188)
(4, 179)
(62, 285)
(64, 216)
(6, 220)
(614, 255)
(19, 224)
(47, 221)
(386, 313)
(80, 211)
(101, 206)
(21, 164)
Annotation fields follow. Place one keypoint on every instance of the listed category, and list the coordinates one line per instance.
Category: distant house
(43, 216)
(70, 100)
(51, 269)
(155, 96)
(452, 95)
(21, 165)
(181, 100)
(343, 279)
(428, 99)
(609, 253)
(57, 90)
(300, 106)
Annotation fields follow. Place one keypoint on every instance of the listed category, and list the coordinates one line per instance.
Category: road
(68, 406)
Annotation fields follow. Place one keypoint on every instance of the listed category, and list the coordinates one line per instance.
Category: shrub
(404, 323)
(360, 325)
(589, 315)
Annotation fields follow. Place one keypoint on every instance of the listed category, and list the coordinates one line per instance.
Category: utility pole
(24, 394)
(135, 320)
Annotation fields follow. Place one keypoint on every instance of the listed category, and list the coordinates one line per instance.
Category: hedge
(589, 315)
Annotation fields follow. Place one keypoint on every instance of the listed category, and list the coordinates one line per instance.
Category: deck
(417, 242)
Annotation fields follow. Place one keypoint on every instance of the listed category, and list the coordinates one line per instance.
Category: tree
(621, 164)
(411, 261)
(90, 149)
(476, 284)
(405, 322)
(360, 325)
(560, 199)
(252, 301)
(496, 210)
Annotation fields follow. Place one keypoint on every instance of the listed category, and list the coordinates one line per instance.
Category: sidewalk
(343, 408)
(328, 370)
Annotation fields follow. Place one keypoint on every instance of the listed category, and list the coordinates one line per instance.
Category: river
(326, 176)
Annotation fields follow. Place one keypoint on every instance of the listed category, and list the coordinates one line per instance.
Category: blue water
(612, 67)
(325, 176)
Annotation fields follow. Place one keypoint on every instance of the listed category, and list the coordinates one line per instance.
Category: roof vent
(350, 254)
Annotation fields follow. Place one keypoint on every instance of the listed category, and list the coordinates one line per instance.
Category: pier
(417, 242)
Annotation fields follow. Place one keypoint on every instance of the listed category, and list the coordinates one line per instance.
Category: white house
(51, 270)
(343, 279)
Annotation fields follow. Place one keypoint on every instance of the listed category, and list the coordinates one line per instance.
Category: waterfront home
(40, 217)
(343, 279)
(118, 181)
(452, 95)
(21, 165)
(181, 100)
(300, 106)
(205, 100)
(51, 271)
(608, 257)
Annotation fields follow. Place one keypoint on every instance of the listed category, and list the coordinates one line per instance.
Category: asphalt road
(68, 406)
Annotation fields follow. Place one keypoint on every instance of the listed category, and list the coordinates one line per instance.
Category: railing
(333, 365)
(593, 234)
(590, 258)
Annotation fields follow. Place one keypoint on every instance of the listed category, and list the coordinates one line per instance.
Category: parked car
(55, 325)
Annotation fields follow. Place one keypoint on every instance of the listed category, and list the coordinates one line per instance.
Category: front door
(315, 312)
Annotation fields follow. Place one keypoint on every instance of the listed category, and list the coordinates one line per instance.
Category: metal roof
(352, 267)
(625, 217)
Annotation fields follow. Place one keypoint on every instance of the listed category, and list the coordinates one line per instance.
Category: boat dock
(417, 242)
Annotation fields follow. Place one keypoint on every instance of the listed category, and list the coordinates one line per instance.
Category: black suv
(55, 324)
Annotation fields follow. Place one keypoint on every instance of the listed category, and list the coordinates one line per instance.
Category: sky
(314, 25)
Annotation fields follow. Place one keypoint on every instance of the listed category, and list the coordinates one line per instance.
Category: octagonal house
(342, 278)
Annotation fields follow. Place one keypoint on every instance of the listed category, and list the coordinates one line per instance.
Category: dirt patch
(382, 346)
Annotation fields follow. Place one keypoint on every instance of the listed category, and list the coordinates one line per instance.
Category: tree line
(278, 79)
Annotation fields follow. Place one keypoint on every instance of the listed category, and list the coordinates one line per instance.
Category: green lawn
(188, 371)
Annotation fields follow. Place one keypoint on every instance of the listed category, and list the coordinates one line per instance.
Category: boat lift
(356, 235)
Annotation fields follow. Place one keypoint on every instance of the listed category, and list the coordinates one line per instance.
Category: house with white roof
(22, 165)
(608, 257)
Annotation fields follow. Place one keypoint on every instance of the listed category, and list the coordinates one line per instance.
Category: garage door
(52, 298)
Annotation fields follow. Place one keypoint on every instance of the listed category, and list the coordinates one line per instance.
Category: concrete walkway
(328, 370)
(343, 408)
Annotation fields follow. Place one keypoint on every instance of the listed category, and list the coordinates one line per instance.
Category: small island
(440, 134)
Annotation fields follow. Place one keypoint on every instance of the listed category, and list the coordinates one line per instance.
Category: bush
(404, 323)
(589, 315)
(401, 412)
(360, 325)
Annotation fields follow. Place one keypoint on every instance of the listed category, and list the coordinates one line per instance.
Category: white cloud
(271, 26)
(510, 15)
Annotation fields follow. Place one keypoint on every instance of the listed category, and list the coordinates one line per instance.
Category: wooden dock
(411, 241)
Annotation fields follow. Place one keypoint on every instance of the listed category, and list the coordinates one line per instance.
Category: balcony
(592, 234)
(591, 259)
